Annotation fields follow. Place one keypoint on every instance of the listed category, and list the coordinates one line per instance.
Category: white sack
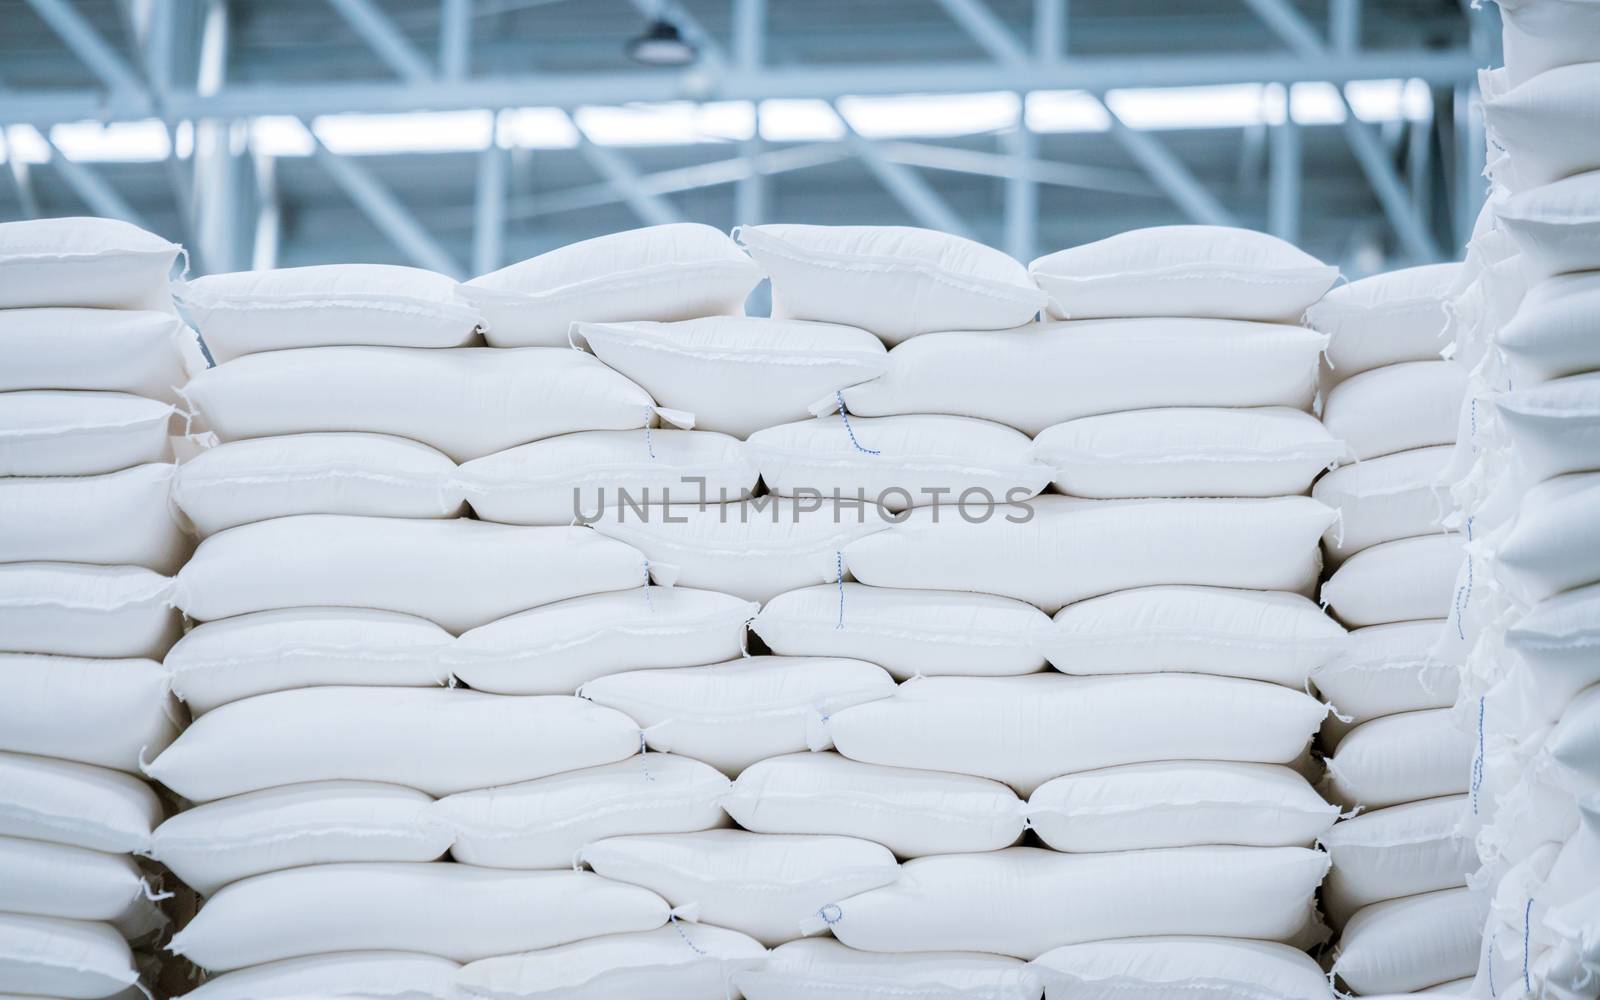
(103, 712)
(467, 403)
(1557, 225)
(1396, 408)
(557, 648)
(143, 353)
(1024, 901)
(752, 549)
(1406, 944)
(1383, 499)
(1387, 669)
(452, 911)
(738, 373)
(56, 880)
(1398, 851)
(75, 804)
(1188, 452)
(1026, 730)
(912, 813)
(1180, 968)
(63, 433)
(899, 462)
(1557, 642)
(371, 974)
(1217, 271)
(69, 959)
(1178, 803)
(1554, 543)
(69, 609)
(1057, 550)
(235, 658)
(1551, 333)
(907, 632)
(262, 478)
(1400, 758)
(543, 823)
(1258, 634)
(1554, 428)
(588, 475)
(457, 573)
(676, 271)
(1542, 34)
(1386, 318)
(118, 518)
(98, 263)
(1574, 744)
(327, 305)
(1549, 126)
(896, 281)
(823, 969)
(437, 741)
(732, 714)
(1047, 373)
(759, 884)
(291, 826)
(1400, 581)
(682, 962)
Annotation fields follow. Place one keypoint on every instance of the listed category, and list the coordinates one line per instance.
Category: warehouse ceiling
(284, 132)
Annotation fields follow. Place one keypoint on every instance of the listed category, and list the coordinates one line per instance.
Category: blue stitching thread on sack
(838, 573)
(1477, 762)
(672, 919)
(647, 601)
(648, 446)
(831, 913)
(644, 761)
(1527, 915)
(839, 395)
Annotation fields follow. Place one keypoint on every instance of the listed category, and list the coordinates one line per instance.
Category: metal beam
(1170, 174)
(1344, 26)
(914, 193)
(215, 187)
(1284, 181)
(1052, 172)
(986, 28)
(750, 33)
(1050, 30)
(702, 175)
(570, 90)
(86, 43)
(95, 191)
(1022, 198)
(150, 24)
(21, 178)
(650, 207)
(385, 39)
(386, 211)
(750, 51)
(1368, 150)
(269, 215)
(489, 210)
(455, 39)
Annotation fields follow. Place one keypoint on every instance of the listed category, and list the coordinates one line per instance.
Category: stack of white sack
(342, 585)
(1528, 614)
(1156, 763)
(1400, 860)
(91, 355)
